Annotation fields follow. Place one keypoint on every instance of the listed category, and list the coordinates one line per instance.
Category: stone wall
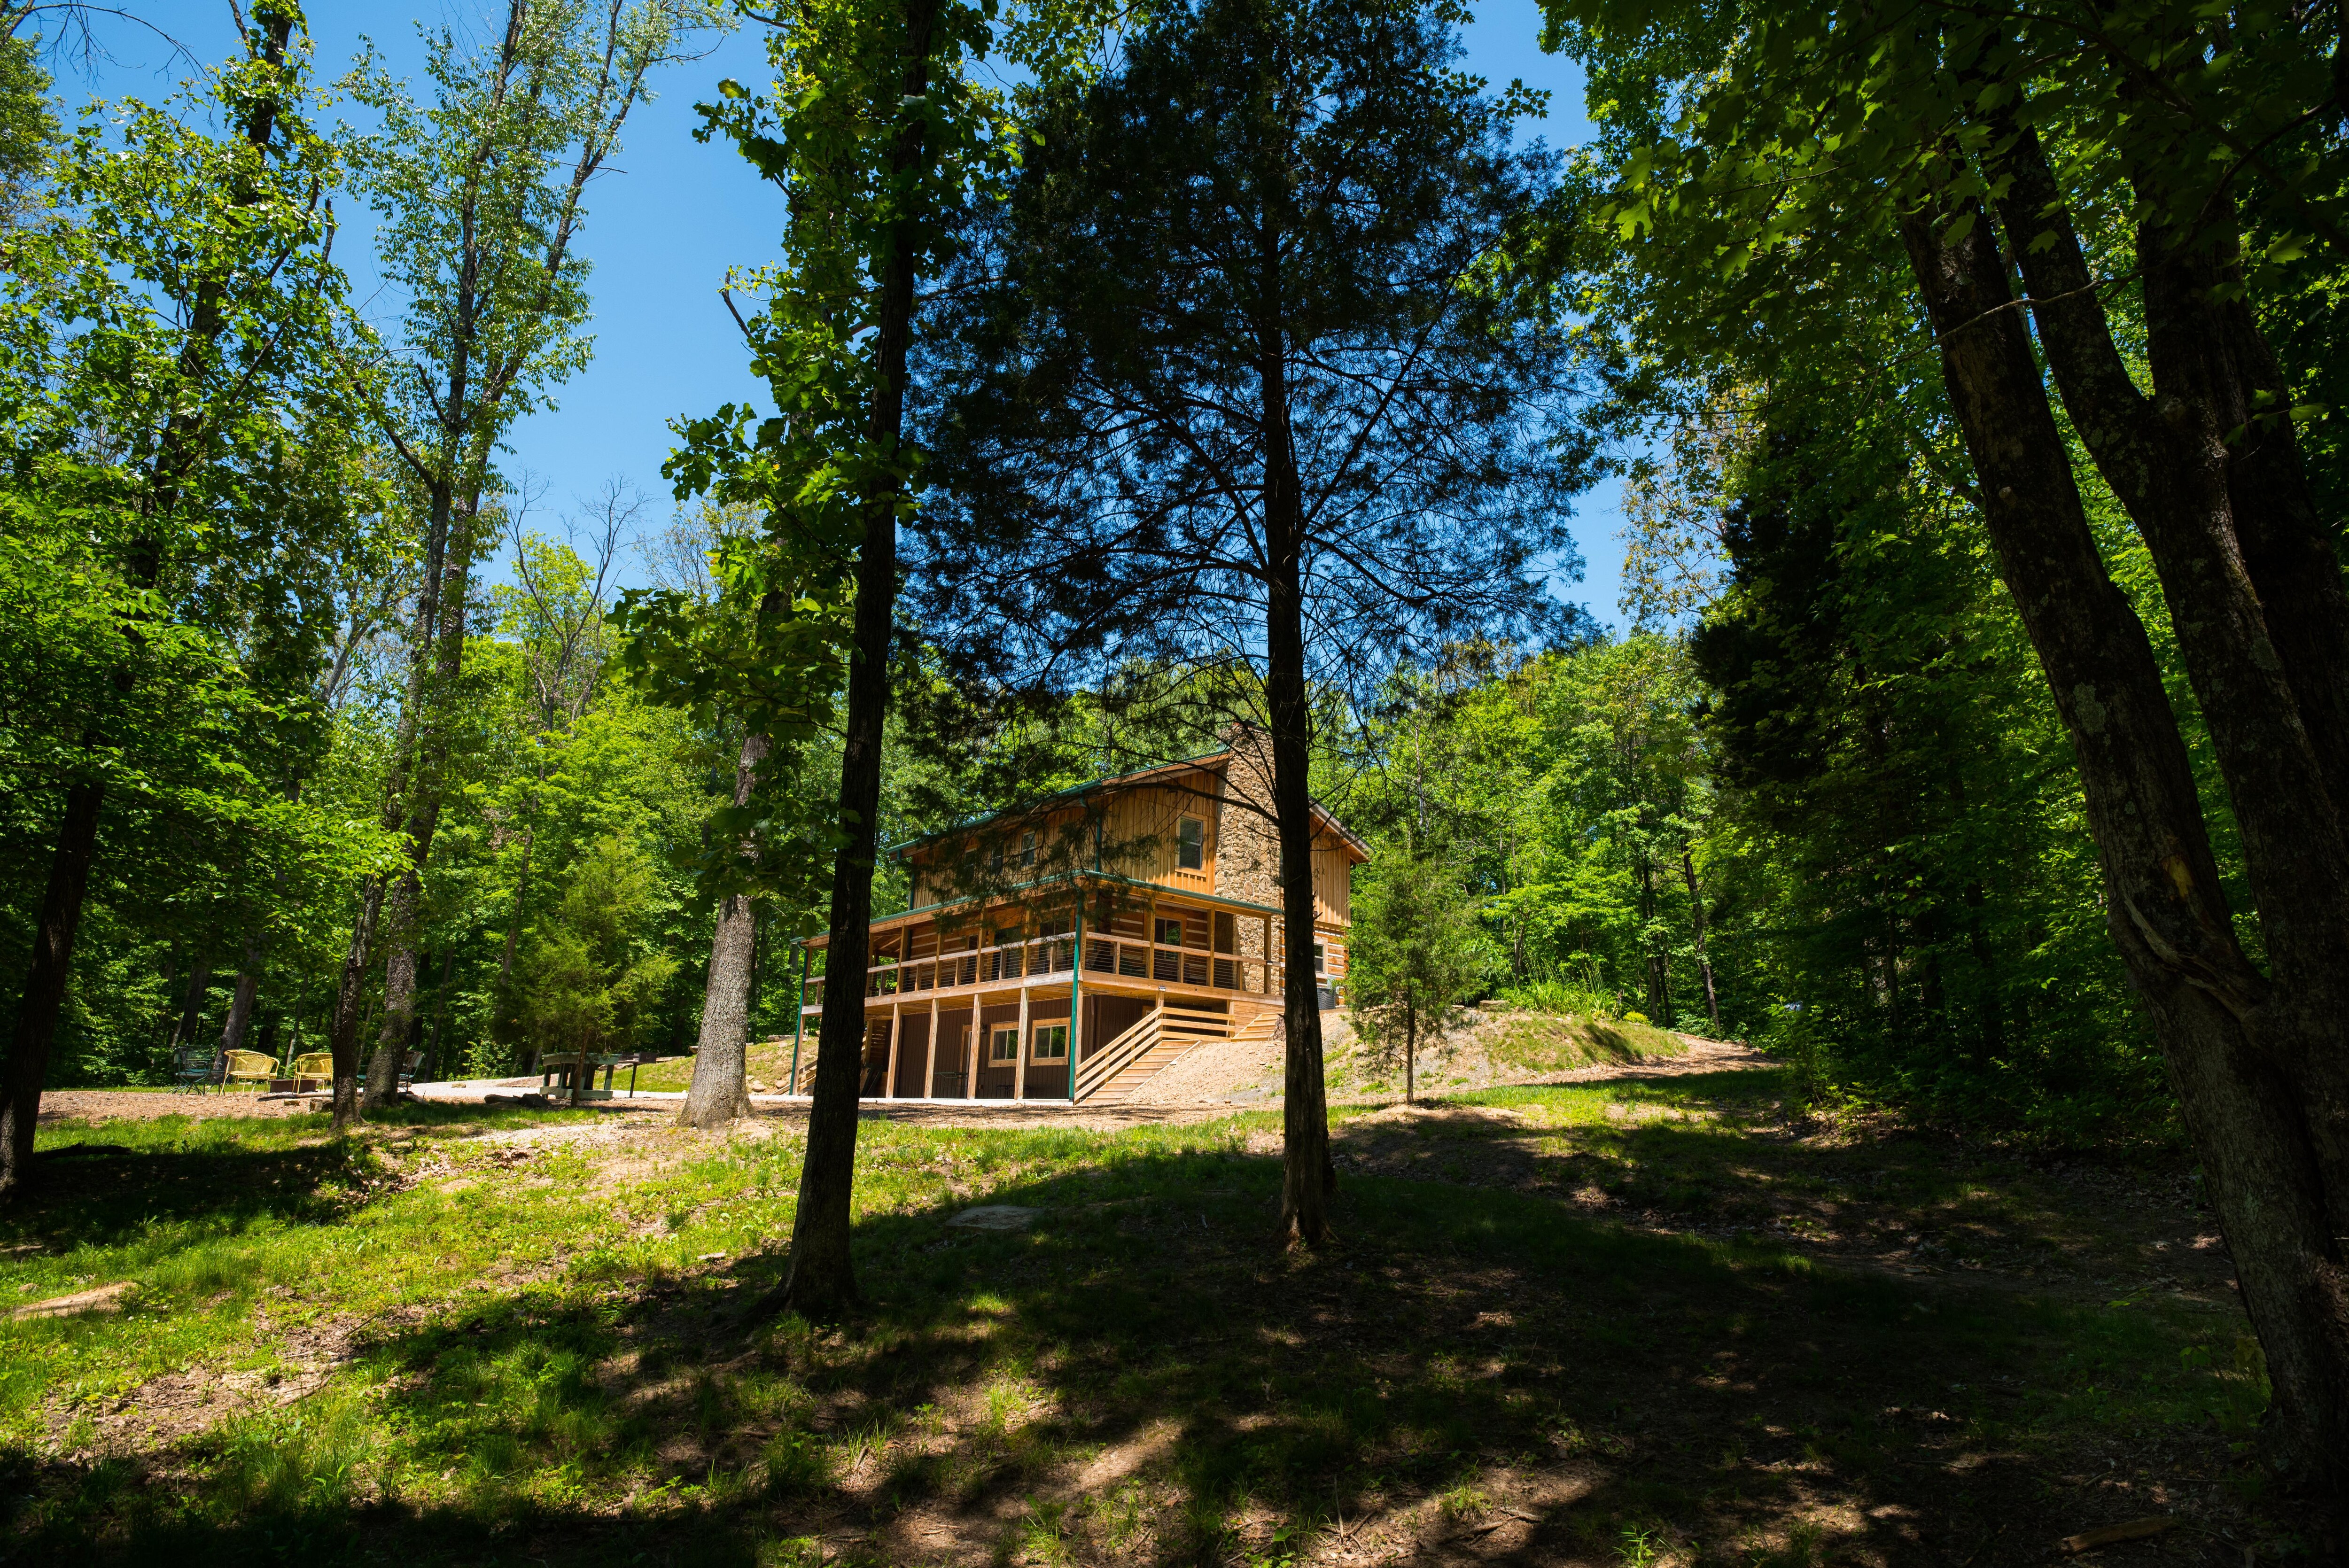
(1247, 847)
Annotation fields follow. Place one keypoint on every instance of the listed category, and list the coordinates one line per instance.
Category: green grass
(768, 1062)
(441, 1352)
(1561, 1042)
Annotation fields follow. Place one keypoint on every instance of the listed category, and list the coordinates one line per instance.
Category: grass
(769, 1063)
(1582, 1322)
(1545, 1041)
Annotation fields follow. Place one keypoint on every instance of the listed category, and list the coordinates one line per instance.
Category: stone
(996, 1217)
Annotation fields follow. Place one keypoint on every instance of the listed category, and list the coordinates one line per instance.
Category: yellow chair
(313, 1069)
(250, 1067)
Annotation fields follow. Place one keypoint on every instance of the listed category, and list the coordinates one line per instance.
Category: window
(1005, 1044)
(1026, 849)
(1170, 933)
(1051, 1042)
(1190, 843)
(1321, 959)
(994, 859)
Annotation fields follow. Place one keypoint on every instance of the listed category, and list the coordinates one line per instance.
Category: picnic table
(555, 1073)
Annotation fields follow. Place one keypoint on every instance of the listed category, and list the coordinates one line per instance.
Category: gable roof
(1204, 762)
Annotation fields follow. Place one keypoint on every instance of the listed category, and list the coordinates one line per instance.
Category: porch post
(1077, 996)
(798, 1020)
(966, 1054)
(1020, 1057)
(930, 1062)
(889, 1090)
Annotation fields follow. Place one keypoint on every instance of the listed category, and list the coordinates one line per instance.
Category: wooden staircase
(1164, 1036)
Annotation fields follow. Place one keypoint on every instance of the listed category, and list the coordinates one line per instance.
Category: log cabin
(1166, 881)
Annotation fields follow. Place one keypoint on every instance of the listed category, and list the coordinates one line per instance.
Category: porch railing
(1126, 957)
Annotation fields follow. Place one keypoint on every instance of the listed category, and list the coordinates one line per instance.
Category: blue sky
(673, 214)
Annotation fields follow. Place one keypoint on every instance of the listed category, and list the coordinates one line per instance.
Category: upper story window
(1170, 933)
(1026, 849)
(1191, 843)
(1321, 959)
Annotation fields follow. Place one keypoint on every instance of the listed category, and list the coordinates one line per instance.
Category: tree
(481, 193)
(874, 130)
(1234, 400)
(587, 978)
(1764, 170)
(1414, 957)
(160, 346)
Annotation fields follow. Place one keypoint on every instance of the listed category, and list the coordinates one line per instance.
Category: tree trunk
(720, 1092)
(440, 1014)
(1308, 1177)
(191, 1003)
(239, 1002)
(431, 779)
(822, 1281)
(2164, 904)
(350, 1000)
(1696, 921)
(399, 970)
(1409, 1047)
(44, 984)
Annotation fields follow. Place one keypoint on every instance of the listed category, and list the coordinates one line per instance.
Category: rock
(104, 1298)
(756, 1086)
(996, 1217)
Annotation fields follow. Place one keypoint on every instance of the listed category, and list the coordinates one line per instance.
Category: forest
(1963, 753)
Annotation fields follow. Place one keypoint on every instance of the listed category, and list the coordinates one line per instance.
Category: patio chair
(313, 1069)
(248, 1067)
(195, 1068)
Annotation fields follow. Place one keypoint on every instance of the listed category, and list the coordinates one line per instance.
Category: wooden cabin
(1166, 881)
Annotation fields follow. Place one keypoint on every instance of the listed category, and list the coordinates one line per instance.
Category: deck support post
(1020, 1056)
(798, 1020)
(896, 1011)
(1077, 999)
(930, 1056)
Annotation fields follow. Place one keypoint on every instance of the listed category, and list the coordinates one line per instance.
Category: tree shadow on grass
(1468, 1375)
(213, 1176)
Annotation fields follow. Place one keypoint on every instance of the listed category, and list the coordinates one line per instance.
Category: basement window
(1051, 1042)
(1191, 843)
(1005, 1044)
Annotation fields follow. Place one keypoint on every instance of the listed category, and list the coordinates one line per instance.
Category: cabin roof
(1322, 815)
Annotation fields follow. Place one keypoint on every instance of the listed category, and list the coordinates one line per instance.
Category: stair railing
(1112, 1059)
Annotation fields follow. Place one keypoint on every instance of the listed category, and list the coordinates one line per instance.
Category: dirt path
(1211, 1085)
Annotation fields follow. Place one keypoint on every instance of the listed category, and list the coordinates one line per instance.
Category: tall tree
(1226, 397)
(1765, 167)
(481, 191)
(161, 343)
(874, 130)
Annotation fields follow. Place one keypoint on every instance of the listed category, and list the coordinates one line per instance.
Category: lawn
(1630, 1323)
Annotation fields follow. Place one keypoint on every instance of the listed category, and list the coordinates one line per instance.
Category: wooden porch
(950, 1015)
